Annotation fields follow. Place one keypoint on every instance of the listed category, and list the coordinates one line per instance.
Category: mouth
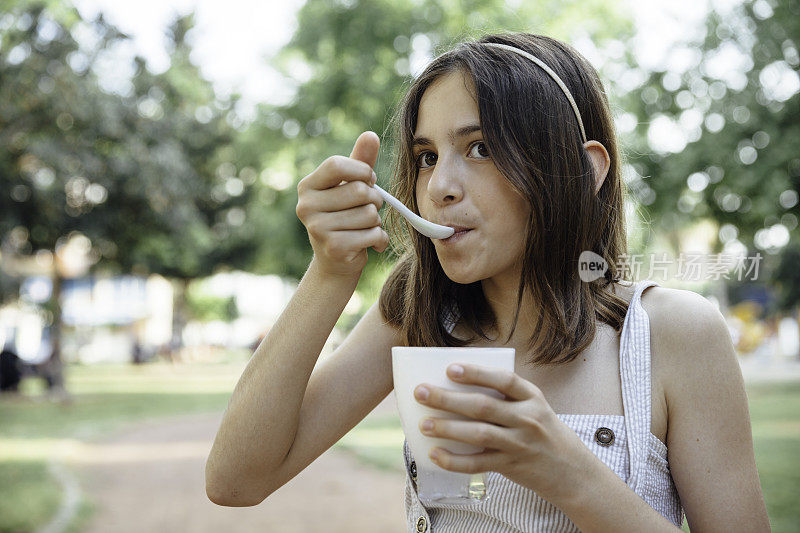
(459, 234)
(459, 229)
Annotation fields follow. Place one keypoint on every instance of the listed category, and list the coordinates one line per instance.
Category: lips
(458, 228)
(459, 234)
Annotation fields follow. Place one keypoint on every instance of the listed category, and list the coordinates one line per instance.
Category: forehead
(448, 101)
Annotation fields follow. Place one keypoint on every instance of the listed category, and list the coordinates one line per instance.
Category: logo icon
(591, 266)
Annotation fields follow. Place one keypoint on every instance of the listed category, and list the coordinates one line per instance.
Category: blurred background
(149, 156)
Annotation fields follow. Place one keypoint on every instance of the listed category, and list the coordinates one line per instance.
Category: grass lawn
(108, 397)
(775, 413)
(105, 398)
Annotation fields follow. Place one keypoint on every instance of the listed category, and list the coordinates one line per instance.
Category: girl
(626, 407)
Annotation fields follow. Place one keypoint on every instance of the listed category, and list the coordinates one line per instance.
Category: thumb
(366, 148)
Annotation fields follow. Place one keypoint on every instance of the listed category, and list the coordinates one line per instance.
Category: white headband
(552, 75)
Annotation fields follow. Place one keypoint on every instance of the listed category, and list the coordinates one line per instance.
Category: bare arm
(262, 415)
(270, 407)
(709, 439)
(342, 391)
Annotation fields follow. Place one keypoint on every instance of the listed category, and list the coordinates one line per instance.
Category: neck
(501, 295)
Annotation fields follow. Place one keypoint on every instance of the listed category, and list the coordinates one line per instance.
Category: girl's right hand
(339, 208)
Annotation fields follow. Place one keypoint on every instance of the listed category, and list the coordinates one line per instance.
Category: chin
(462, 278)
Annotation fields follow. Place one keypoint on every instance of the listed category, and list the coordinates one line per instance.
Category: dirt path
(151, 478)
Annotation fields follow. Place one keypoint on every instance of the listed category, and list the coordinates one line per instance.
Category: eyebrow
(460, 132)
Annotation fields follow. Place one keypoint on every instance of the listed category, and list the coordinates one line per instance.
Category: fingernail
(422, 393)
(456, 371)
(374, 178)
(427, 425)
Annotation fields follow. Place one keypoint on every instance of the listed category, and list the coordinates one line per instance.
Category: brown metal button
(604, 436)
(421, 524)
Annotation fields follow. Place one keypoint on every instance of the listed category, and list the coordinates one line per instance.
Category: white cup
(412, 366)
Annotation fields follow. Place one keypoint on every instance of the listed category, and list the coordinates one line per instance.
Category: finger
(475, 463)
(361, 217)
(356, 240)
(478, 434)
(366, 148)
(509, 383)
(475, 405)
(334, 170)
(382, 248)
(345, 196)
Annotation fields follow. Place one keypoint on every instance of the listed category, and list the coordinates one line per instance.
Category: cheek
(416, 193)
(522, 225)
(518, 221)
(515, 217)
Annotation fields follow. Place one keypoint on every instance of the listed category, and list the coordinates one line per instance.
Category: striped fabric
(636, 455)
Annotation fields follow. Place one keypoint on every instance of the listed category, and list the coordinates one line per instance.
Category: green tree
(145, 173)
(740, 166)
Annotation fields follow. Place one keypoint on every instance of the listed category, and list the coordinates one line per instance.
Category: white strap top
(634, 453)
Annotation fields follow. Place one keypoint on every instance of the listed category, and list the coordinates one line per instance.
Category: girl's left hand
(523, 437)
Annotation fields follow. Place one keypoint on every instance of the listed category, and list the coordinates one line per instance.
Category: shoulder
(681, 312)
(689, 336)
(692, 350)
(686, 328)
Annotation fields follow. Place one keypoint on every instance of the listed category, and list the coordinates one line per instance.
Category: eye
(427, 159)
(480, 144)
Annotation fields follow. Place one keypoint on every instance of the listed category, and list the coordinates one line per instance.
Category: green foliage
(145, 170)
(745, 156)
(207, 307)
(787, 278)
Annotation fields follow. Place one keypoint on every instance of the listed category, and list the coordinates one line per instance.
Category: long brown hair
(533, 137)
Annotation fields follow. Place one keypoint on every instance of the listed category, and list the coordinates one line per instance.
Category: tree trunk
(179, 318)
(54, 367)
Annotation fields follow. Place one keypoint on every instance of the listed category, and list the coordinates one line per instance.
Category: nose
(445, 186)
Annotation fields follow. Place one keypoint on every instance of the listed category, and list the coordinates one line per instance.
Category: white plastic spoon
(429, 229)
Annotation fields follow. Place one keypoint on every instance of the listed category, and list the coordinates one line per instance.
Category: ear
(600, 161)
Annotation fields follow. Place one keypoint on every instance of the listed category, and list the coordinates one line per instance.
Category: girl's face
(459, 185)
